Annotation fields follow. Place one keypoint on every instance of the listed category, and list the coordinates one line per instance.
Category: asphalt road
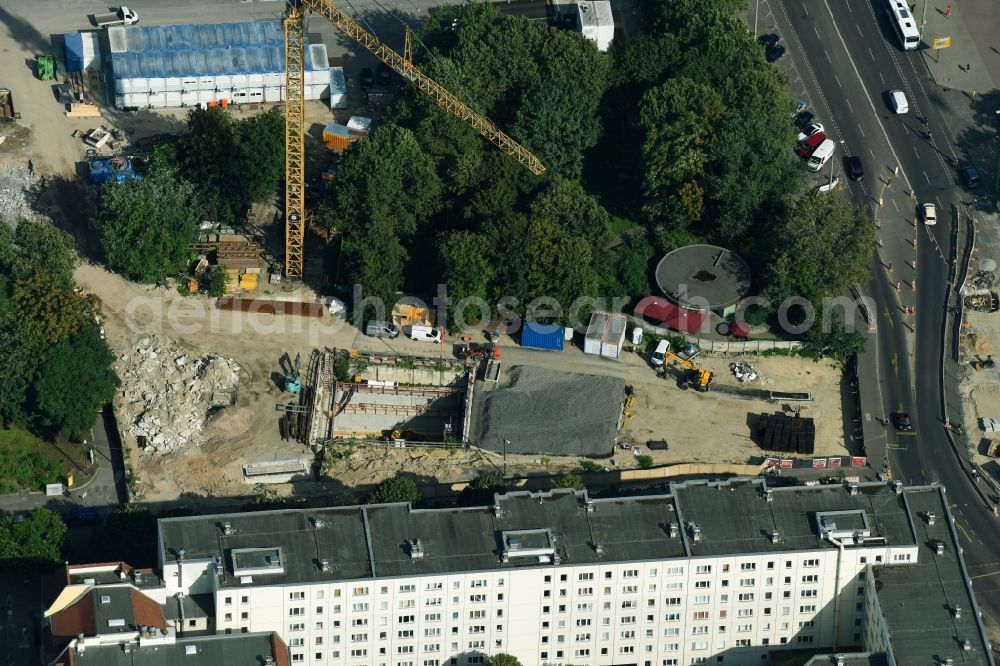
(847, 56)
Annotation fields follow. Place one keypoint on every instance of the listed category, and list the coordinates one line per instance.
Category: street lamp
(841, 142)
(756, 11)
(506, 443)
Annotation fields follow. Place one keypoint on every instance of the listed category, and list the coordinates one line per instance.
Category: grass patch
(620, 225)
(28, 463)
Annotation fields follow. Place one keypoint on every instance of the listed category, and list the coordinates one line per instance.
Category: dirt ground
(981, 389)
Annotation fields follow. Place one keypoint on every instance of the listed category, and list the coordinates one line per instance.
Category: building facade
(710, 573)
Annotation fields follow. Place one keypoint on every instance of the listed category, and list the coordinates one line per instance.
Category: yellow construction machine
(694, 377)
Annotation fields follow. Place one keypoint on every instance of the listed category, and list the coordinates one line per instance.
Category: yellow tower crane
(295, 38)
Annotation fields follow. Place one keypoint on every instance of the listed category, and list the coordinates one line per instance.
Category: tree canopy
(127, 534)
(395, 489)
(147, 225)
(34, 544)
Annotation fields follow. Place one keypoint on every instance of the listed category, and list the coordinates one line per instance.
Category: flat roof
(702, 277)
(735, 517)
(201, 651)
(918, 599)
(361, 542)
(452, 540)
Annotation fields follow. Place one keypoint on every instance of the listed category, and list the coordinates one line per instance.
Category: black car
(367, 78)
(855, 169)
(970, 176)
(903, 422)
(768, 41)
(803, 119)
(384, 74)
(774, 53)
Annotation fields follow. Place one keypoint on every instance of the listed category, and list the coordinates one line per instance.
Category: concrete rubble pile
(18, 191)
(168, 394)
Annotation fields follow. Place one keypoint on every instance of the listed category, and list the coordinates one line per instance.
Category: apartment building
(711, 573)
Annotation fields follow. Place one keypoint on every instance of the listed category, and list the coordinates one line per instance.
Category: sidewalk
(968, 64)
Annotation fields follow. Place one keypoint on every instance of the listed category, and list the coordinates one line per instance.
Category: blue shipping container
(542, 336)
(74, 51)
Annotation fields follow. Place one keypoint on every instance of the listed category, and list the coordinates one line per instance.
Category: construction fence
(721, 347)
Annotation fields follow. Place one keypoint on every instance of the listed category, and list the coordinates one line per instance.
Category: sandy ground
(981, 389)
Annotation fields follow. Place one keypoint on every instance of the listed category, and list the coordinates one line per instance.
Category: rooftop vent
(931, 517)
(416, 550)
(89, 581)
(116, 622)
(190, 649)
(852, 489)
(121, 573)
(324, 565)
(768, 495)
(775, 536)
(219, 568)
(318, 522)
(672, 530)
(268, 660)
(227, 528)
(589, 505)
(948, 661)
(938, 547)
(957, 612)
(127, 648)
(105, 599)
(137, 576)
(839, 660)
(599, 548)
(513, 543)
(897, 487)
(695, 532)
(967, 645)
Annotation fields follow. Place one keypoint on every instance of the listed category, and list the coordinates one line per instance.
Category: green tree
(560, 265)
(386, 189)
(568, 481)
(34, 544)
(218, 280)
(645, 462)
(503, 659)
(262, 155)
(467, 269)
(34, 246)
(834, 340)
(74, 381)
(48, 300)
(146, 226)
(127, 534)
(209, 156)
(827, 248)
(395, 489)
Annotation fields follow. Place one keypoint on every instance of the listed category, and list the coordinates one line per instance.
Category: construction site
(268, 384)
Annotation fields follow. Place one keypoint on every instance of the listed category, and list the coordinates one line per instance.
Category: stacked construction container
(220, 63)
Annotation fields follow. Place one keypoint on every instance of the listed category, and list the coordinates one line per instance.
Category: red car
(809, 146)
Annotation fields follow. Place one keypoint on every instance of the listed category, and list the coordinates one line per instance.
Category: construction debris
(168, 394)
(19, 190)
(744, 372)
(983, 302)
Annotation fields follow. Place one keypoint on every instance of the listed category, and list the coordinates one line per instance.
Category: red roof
(739, 330)
(673, 316)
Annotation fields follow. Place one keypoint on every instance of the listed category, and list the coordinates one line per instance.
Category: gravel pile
(168, 394)
(548, 412)
(18, 191)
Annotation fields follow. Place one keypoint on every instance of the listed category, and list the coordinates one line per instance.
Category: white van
(425, 334)
(821, 155)
(897, 101)
(659, 356)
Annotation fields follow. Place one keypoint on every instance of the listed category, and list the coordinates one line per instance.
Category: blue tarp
(73, 42)
(251, 47)
(116, 169)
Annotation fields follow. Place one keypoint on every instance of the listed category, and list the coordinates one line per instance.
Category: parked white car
(809, 130)
(425, 334)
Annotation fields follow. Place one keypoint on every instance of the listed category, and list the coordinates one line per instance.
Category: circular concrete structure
(704, 277)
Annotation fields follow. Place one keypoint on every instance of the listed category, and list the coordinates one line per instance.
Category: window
(701, 615)
(360, 652)
(743, 628)
(477, 598)
(584, 608)
(319, 610)
(702, 584)
(432, 617)
(244, 615)
(585, 591)
(297, 656)
(672, 601)
(804, 639)
(404, 649)
(432, 647)
(405, 633)
(229, 617)
(702, 599)
(359, 638)
(745, 596)
(811, 578)
(699, 645)
(627, 635)
(630, 589)
(433, 587)
(703, 569)
(360, 591)
(293, 612)
(229, 600)
(675, 571)
(744, 612)
(807, 609)
(748, 566)
(296, 642)
(811, 563)
(297, 627)
(626, 649)
(405, 619)
(807, 624)
(808, 594)
(630, 573)
(584, 652)
(296, 596)
(699, 630)
(359, 608)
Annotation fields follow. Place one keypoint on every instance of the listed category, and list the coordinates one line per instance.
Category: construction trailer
(595, 21)
(606, 334)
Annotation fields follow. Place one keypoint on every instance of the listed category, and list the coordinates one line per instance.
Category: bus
(904, 24)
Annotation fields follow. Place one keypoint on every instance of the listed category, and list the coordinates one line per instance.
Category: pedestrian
(947, 11)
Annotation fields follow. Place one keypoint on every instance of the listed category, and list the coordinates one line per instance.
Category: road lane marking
(926, 177)
(918, 157)
(817, 33)
(862, 134)
(888, 317)
(849, 105)
(835, 77)
(895, 363)
(894, 205)
(827, 56)
(869, 48)
(881, 77)
(805, 9)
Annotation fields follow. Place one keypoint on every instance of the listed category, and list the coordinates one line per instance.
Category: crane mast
(295, 113)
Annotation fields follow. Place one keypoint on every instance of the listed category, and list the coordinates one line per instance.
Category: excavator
(295, 44)
(694, 377)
